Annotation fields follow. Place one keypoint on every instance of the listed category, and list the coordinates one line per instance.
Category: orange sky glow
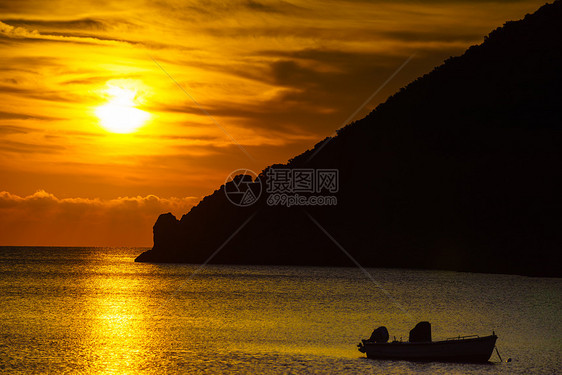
(112, 112)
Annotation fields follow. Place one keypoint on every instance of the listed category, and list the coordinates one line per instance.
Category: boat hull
(477, 349)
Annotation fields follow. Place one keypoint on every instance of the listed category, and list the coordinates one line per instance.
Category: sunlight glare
(120, 114)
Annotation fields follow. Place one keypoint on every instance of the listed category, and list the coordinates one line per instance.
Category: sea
(95, 311)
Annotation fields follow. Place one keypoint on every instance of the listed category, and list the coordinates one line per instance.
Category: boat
(420, 347)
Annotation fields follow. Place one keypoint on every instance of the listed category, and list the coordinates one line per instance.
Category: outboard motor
(421, 332)
(379, 335)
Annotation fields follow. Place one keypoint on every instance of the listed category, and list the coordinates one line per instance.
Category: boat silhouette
(420, 347)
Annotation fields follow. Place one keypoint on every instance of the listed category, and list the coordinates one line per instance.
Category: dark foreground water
(84, 310)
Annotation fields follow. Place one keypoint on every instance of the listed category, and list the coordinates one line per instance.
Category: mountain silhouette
(459, 170)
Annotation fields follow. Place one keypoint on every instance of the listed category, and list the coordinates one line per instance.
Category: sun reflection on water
(117, 323)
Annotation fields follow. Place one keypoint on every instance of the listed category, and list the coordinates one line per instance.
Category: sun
(120, 115)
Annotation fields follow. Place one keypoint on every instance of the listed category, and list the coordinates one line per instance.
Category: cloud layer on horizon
(44, 219)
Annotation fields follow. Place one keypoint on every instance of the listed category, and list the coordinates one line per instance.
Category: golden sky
(112, 112)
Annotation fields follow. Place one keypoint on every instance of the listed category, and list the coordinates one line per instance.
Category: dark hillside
(458, 170)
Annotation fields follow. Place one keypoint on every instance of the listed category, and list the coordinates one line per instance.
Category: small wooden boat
(457, 349)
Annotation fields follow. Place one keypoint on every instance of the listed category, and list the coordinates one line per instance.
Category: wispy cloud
(11, 129)
(22, 116)
(80, 24)
(23, 33)
(26, 148)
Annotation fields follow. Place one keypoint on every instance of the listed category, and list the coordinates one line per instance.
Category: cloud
(41, 93)
(99, 79)
(17, 32)
(8, 129)
(212, 10)
(44, 201)
(273, 7)
(311, 91)
(29, 148)
(43, 218)
(22, 116)
(22, 33)
(75, 24)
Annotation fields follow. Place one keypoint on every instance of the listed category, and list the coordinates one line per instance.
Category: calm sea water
(93, 310)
